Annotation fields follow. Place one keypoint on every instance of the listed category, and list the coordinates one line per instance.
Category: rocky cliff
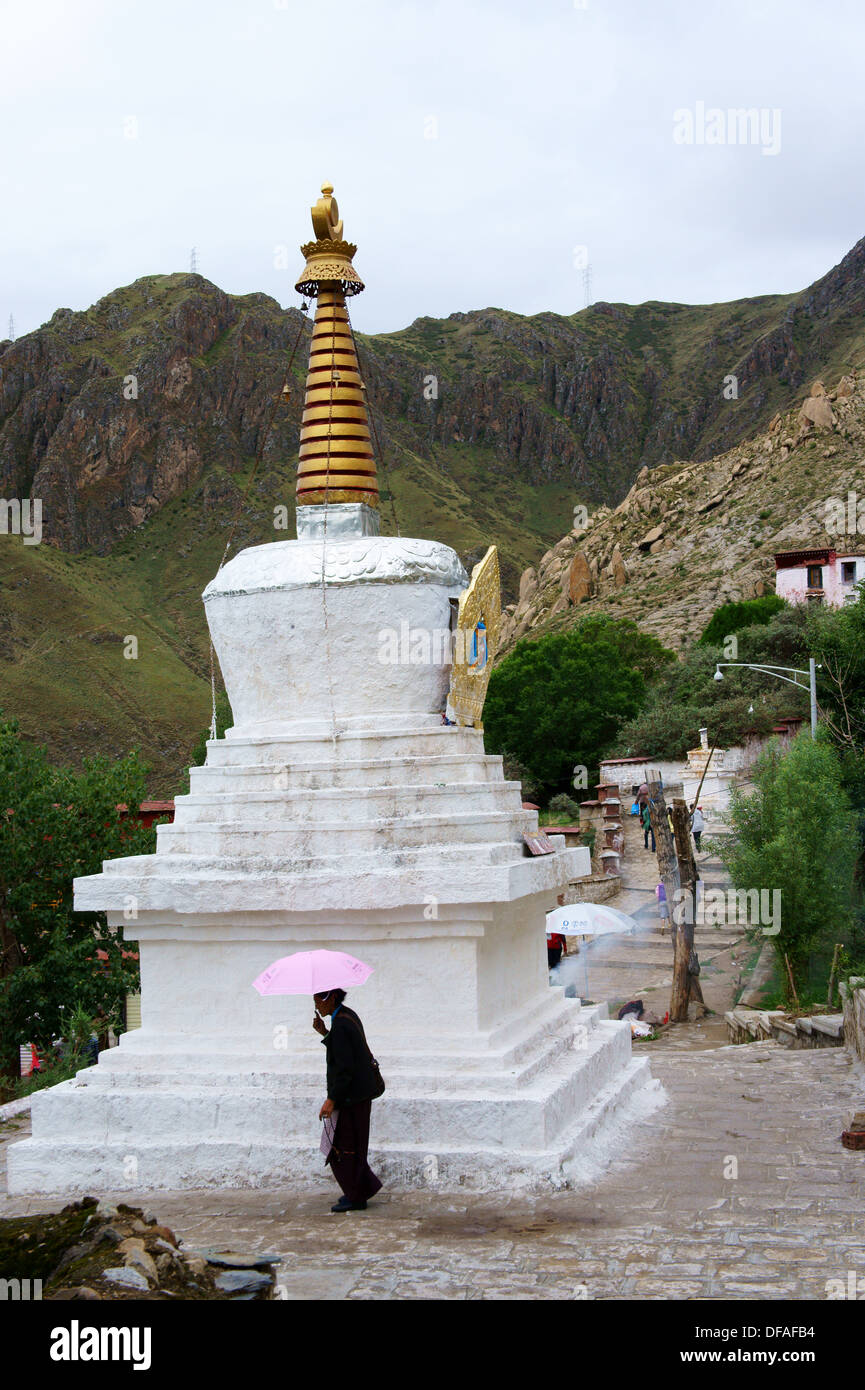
(108, 414)
(689, 535)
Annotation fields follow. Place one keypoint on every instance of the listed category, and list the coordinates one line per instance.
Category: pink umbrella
(312, 972)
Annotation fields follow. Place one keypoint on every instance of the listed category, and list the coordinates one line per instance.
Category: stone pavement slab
(737, 1188)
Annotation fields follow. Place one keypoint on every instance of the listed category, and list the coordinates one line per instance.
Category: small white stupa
(341, 810)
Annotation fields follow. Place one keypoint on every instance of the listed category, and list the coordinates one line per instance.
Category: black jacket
(350, 1074)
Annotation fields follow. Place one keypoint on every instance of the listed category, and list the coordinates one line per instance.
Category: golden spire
(336, 459)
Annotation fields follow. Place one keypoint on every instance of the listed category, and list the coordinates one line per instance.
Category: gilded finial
(328, 258)
(326, 221)
(336, 462)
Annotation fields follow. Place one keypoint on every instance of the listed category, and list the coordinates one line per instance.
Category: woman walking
(353, 1082)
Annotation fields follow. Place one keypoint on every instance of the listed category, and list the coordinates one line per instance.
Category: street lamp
(810, 675)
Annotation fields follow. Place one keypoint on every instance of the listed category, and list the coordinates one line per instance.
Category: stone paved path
(640, 966)
(663, 1223)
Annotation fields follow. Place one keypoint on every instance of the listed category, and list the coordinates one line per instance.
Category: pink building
(818, 576)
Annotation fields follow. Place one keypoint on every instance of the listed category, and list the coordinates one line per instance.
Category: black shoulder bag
(376, 1069)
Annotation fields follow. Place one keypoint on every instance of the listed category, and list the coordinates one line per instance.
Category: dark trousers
(348, 1157)
(647, 831)
(554, 956)
(697, 834)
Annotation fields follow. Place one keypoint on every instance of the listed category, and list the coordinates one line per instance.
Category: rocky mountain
(689, 536)
(138, 424)
(108, 414)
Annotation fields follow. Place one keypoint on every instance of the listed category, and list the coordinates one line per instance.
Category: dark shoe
(343, 1205)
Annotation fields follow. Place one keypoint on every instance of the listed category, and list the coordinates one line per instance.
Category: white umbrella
(589, 919)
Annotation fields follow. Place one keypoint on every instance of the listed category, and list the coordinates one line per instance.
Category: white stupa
(341, 810)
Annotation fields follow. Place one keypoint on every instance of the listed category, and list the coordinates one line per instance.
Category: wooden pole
(668, 868)
(668, 864)
(705, 770)
(688, 877)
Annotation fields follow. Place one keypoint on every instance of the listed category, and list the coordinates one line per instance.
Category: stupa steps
(182, 866)
(537, 1040)
(346, 773)
(531, 1109)
(447, 1075)
(251, 837)
(370, 803)
(417, 739)
(417, 1156)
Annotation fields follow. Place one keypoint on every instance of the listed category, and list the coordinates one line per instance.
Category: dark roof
(788, 559)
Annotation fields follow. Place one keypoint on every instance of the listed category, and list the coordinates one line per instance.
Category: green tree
(685, 697)
(797, 833)
(556, 702)
(733, 617)
(836, 638)
(56, 825)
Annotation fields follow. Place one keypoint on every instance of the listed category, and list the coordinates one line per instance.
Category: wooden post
(705, 770)
(668, 868)
(688, 877)
(668, 864)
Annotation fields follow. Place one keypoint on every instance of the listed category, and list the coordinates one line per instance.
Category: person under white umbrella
(588, 919)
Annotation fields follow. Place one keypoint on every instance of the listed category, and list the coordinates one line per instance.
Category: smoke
(567, 972)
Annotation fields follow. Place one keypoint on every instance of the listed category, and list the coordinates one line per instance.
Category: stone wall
(598, 888)
(853, 995)
(630, 772)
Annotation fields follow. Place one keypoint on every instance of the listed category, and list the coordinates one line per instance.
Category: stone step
(278, 808)
(812, 1030)
(411, 740)
(552, 1021)
(457, 770)
(518, 1111)
(499, 1074)
(187, 866)
(253, 838)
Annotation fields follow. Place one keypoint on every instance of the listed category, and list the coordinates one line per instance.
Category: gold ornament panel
(480, 602)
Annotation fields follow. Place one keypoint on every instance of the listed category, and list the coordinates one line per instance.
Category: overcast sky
(474, 147)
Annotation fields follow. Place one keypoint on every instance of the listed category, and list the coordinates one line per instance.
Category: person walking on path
(353, 1082)
(663, 905)
(698, 825)
(647, 827)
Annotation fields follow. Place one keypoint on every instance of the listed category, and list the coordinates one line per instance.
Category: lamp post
(810, 675)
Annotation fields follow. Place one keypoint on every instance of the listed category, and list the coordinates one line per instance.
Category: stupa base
(547, 1127)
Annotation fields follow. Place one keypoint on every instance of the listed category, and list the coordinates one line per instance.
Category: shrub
(733, 617)
(557, 701)
(797, 833)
